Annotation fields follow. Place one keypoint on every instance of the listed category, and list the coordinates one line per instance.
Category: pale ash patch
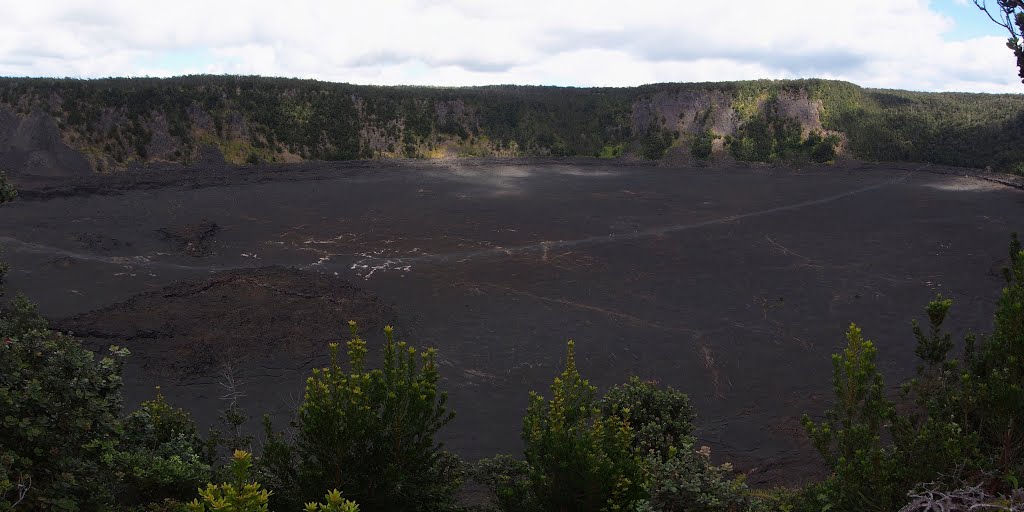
(965, 184)
(384, 260)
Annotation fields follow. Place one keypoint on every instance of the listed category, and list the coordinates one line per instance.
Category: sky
(937, 45)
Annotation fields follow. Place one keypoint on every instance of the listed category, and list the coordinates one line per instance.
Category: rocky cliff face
(73, 126)
(688, 112)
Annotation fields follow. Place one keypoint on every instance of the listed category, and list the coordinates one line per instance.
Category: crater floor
(732, 284)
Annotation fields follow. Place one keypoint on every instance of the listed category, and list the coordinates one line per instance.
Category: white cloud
(897, 43)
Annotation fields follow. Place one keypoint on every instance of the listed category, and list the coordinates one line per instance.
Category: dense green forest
(365, 438)
(121, 121)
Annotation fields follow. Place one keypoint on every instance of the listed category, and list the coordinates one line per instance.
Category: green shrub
(824, 150)
(156, 422)
(60, 420)
(162, 455)
(4, 269)
(21, 317)
(932, 442)
(850, 438)
(611, 151)
(578, 459)
(994, 380)
(633, 449)
(661, 419)
(656, 142)
(276, 468)
(768, 137)
(961, 423)
(679, 477)
(967, 425)
(7, 191)
(242, 494)
(508, 481)
(684, 480)
(754, 141)
(372, 433)
(813, 497)
(703, 144)
(333, 502)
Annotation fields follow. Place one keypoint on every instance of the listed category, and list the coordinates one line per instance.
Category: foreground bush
(59, 417)
(579, 459)
(850, 437)
(686, 481)
(661, 419)
(242, 494)
(932, 437)
(371, 433)
(333, 502)
(993, 387)
(961, 423)
(162, 456)
(508, 480)
(679, 477)
(21, 318)
(631, 450)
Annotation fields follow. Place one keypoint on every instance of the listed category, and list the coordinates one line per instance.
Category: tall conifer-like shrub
(371, 433)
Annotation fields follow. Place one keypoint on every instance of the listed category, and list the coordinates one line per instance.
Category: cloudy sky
(908, 44)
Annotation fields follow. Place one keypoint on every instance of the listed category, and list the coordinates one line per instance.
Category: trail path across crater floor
(732, 284)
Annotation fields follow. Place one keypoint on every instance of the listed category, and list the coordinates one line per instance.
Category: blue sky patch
(179, 61)
(968, 21)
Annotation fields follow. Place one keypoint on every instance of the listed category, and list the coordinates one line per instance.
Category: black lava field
(733, 284)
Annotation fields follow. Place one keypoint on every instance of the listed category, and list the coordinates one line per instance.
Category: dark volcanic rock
(265, 327)
(209, 158)
(100, 243)
(33, 145)
(245, 314)
(192, 239)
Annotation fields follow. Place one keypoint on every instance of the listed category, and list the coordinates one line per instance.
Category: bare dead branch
(1007, 15)
(24, 486)
(231, 384)
(930, 499)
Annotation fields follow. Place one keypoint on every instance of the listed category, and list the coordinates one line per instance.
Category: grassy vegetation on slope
(117, 121)
(971, 130)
